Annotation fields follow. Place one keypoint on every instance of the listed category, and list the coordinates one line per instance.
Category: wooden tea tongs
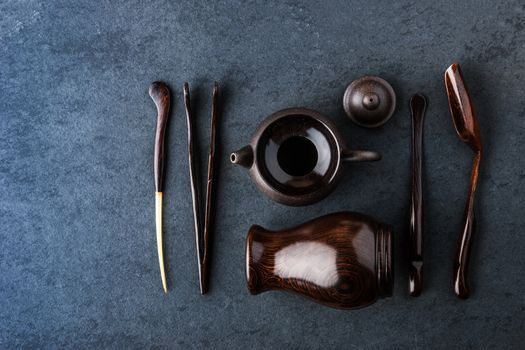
(202, 233)
(160, 94)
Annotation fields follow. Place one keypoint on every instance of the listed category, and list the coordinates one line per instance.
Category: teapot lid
(369, 101)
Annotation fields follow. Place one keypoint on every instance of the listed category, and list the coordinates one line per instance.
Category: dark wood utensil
(160, 94)
(418, 106)
(202, 234)
(467, 128)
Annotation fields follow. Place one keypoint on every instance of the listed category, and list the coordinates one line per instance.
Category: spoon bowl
(461, 108)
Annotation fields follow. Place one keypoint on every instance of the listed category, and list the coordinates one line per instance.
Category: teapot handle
(359, 156)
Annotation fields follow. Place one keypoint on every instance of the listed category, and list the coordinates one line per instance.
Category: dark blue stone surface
(78, 260)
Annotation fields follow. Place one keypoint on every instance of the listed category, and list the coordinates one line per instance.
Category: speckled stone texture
(78, 259)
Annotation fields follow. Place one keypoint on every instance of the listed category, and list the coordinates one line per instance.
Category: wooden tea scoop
(202, 233)
(418, 106)
(160, 93)
(467, 128)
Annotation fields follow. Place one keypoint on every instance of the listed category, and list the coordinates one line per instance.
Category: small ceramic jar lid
(369, 101)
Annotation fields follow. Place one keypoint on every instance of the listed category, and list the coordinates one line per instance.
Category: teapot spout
(243, 157)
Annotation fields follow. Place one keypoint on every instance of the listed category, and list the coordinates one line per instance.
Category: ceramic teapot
(296, 155)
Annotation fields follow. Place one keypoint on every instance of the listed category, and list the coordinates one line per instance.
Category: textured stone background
(78, 264)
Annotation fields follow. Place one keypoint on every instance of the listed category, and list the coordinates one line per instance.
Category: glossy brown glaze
(418, 106)
(467, 128)
(296, 155)
(342, 260)
(202, 232)
(160, 94)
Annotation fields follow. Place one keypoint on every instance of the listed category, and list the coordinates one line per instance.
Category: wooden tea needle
(202, 234)
(160, 94)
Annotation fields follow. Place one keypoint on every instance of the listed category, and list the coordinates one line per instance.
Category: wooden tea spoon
(467, 129)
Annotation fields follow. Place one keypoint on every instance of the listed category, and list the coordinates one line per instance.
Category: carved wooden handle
(463, 251)
(160, 94)
(359, 156)
(418, 106)
(341, 260)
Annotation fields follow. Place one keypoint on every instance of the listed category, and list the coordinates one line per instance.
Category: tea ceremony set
(296, 157)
